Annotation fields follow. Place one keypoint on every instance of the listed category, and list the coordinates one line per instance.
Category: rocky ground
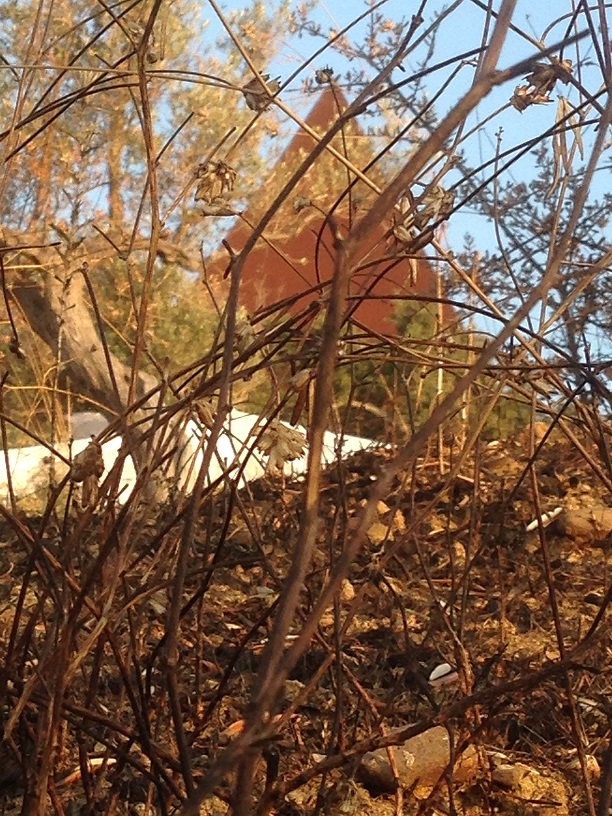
(461, 619)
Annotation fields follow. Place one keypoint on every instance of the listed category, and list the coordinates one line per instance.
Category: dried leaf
(94, 764)
(566, 112)
(237, 727)
(564, 109)
(414, 270)
(435, 204)
(560, 157)
(87, 467)
(158, 602)
(220, 208)
(257, 96)
(282, 444)
(90, 491)
(300, 378)
(578, 136)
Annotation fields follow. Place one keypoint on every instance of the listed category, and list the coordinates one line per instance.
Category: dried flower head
(88, 462)
(540, 84)
(403, 235)
(257, 95)
(324, 75)
(215, 179)
(245, 334)
(524, 96)
(206, 411)
(544, 76)
(435, 204)
(301, 203)
(282, 444)
(87, 467)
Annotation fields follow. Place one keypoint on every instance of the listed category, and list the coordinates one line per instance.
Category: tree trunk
(52, 292)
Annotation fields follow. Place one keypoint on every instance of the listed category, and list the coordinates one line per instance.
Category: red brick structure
(297, 252)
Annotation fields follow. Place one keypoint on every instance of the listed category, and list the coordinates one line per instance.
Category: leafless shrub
(266, 634)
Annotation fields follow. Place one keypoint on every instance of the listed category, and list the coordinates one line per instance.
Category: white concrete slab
(29, 467)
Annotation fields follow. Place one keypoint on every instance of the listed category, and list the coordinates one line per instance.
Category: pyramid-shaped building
(295, 257)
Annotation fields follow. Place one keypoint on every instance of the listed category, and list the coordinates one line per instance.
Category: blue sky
(457, 34)
(460, 32)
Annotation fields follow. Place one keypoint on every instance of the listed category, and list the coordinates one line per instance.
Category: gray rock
(84, 424)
